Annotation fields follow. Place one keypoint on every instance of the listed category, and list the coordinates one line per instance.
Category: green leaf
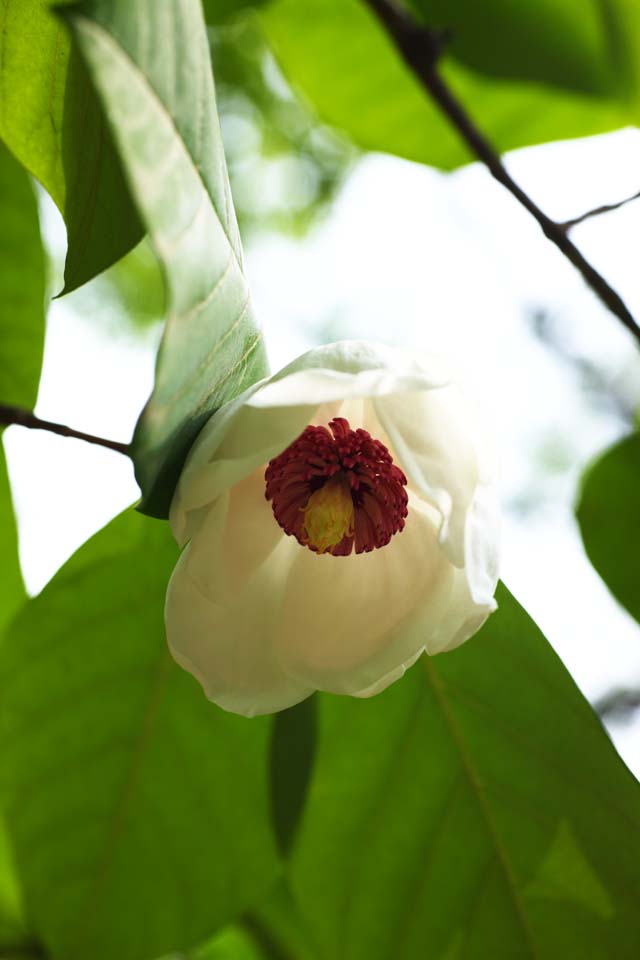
(217, 11)
(475, 809)
(52, 122)
(609, 516)
(22, 286)
(12, 596)
(138, 811)
(157, 90)
(22, 304)
(336, 53)
(560, 42)
(22, 293)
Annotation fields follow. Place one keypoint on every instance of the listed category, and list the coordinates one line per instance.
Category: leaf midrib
(123, 803)
(478, 793)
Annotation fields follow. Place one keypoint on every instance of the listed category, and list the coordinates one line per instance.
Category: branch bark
(598, 211)
(421, 48)
(24, 418)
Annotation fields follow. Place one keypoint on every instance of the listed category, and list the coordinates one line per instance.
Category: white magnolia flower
(338, 521)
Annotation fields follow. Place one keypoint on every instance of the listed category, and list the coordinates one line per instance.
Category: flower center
(328, 515)
(336, 489)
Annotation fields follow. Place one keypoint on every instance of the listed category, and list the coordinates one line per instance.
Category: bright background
(441, 263)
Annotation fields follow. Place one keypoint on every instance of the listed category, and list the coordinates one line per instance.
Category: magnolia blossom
(337, 521)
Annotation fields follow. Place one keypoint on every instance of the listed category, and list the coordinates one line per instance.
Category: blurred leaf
(291, 762)
(609, 516)
(339, 57)
(22, 286)
(475, 809)
(22, 304)
(560, 42)
(128, 296)
(52, 122)
(136, 281)
(137, 810)
(167, 130)
(285, 169)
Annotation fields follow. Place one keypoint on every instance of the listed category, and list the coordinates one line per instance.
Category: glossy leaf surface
(12, 596)
(609, 517)
(138, 811)
(338, 56)
(475, 809)
(563, 43)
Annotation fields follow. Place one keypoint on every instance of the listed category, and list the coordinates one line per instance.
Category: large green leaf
(564, 43)
(22, 292)
(22, 303)
(338, 55)
(476, 809)
(157, 89)
(12, 596)
(609, 517)
(22, 286)
(52, 122)
(138, 811)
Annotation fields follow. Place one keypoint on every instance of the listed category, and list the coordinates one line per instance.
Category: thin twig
(598, 211)
(619, 704)
(421, 48)
(24, 418)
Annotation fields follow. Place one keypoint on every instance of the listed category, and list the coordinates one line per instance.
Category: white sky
(444, 263)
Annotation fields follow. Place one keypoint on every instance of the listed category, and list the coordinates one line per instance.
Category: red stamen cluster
(377, 485)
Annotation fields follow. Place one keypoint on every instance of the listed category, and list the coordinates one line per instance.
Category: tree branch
(605, 208)
(24, 418)
(619, 704)
(421, 48)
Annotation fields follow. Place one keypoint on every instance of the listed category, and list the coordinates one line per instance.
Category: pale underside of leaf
(211, 348)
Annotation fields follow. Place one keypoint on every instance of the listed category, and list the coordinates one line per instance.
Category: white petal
(256, 426)
(350, 368)
(482, 545)
(236, 442)
(347, 621)
(222, 604)
(464, 618)
(432, 436)
(390, 677)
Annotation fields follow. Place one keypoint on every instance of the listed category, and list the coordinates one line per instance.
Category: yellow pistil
(328, 515)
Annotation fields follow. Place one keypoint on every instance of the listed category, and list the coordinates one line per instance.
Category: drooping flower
(337, 519)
